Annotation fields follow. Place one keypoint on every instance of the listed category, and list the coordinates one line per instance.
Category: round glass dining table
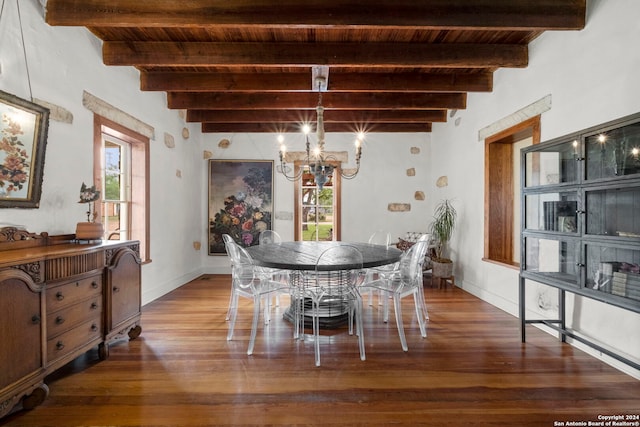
(304, 255)
(300, 257)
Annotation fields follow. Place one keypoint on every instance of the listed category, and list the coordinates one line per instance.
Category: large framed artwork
(240, 201)
(23, 140)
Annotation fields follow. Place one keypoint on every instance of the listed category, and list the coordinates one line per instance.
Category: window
(502, 190)
(116, 187)
(317, 212)
(121, 170)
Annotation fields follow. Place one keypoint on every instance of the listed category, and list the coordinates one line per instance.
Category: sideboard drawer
(63, 320)
(73, 339)
(64, 295)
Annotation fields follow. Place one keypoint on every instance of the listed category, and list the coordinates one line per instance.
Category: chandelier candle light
(317, 161)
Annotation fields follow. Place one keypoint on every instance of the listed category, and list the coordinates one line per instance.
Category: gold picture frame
(23, 140)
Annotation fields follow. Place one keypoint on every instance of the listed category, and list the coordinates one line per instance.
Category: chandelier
(317, 161)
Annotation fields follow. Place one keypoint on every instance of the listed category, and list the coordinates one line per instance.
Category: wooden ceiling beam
(301, 82)
(225, 82)
(446, 55)
(329, 127)
(433, 14)
(308, 101)
(307, 116)
(411, 82)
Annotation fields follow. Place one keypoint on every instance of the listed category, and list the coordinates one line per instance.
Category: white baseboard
(493, 299)
(149, 295)
(217, 270)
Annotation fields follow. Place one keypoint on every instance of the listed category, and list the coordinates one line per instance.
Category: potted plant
(441, 229)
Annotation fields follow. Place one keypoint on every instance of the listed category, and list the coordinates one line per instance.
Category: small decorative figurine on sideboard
(92, 229)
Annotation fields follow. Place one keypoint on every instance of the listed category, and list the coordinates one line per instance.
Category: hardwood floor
(471, 370)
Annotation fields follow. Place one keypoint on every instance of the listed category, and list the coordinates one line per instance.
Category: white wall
(62, 63)
(382, 180)
(592, 76)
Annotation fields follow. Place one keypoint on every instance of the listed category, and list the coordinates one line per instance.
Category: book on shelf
(560, 216)
(626, 284)
(625, 277)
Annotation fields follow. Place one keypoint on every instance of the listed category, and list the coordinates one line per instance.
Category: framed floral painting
(23, 140)
(240, 201)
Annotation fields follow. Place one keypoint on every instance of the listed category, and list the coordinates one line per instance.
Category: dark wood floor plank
(471, 370)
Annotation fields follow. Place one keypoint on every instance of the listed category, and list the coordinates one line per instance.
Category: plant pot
(89, 231)
(442, 268)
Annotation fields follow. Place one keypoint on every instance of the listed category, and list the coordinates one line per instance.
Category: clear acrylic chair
(232, 253)
(379, 237)
(405, 280)
(269, 236)
(329, 289)
(248, 281)
(425, 268)
(272, 237)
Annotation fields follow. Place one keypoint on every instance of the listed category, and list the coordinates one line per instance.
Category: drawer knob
(59, 296)
(94, 285)
(116, 289)
(94, 306)
(59, 320)
(35, 319)
(59, 345)
(94, 327)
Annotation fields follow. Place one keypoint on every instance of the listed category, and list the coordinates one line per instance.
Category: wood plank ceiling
(246, 65)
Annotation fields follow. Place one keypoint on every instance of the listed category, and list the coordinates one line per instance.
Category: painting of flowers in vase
(240, 201)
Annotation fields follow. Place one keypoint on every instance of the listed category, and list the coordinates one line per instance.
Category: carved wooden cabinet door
(123, 299)
(21, 332)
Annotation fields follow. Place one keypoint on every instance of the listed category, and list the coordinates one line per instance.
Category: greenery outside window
(317, 212)
(116, 203)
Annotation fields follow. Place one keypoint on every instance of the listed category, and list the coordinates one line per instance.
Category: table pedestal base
(333, 314)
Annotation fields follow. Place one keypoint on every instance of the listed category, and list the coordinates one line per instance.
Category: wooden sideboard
(58, 299)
